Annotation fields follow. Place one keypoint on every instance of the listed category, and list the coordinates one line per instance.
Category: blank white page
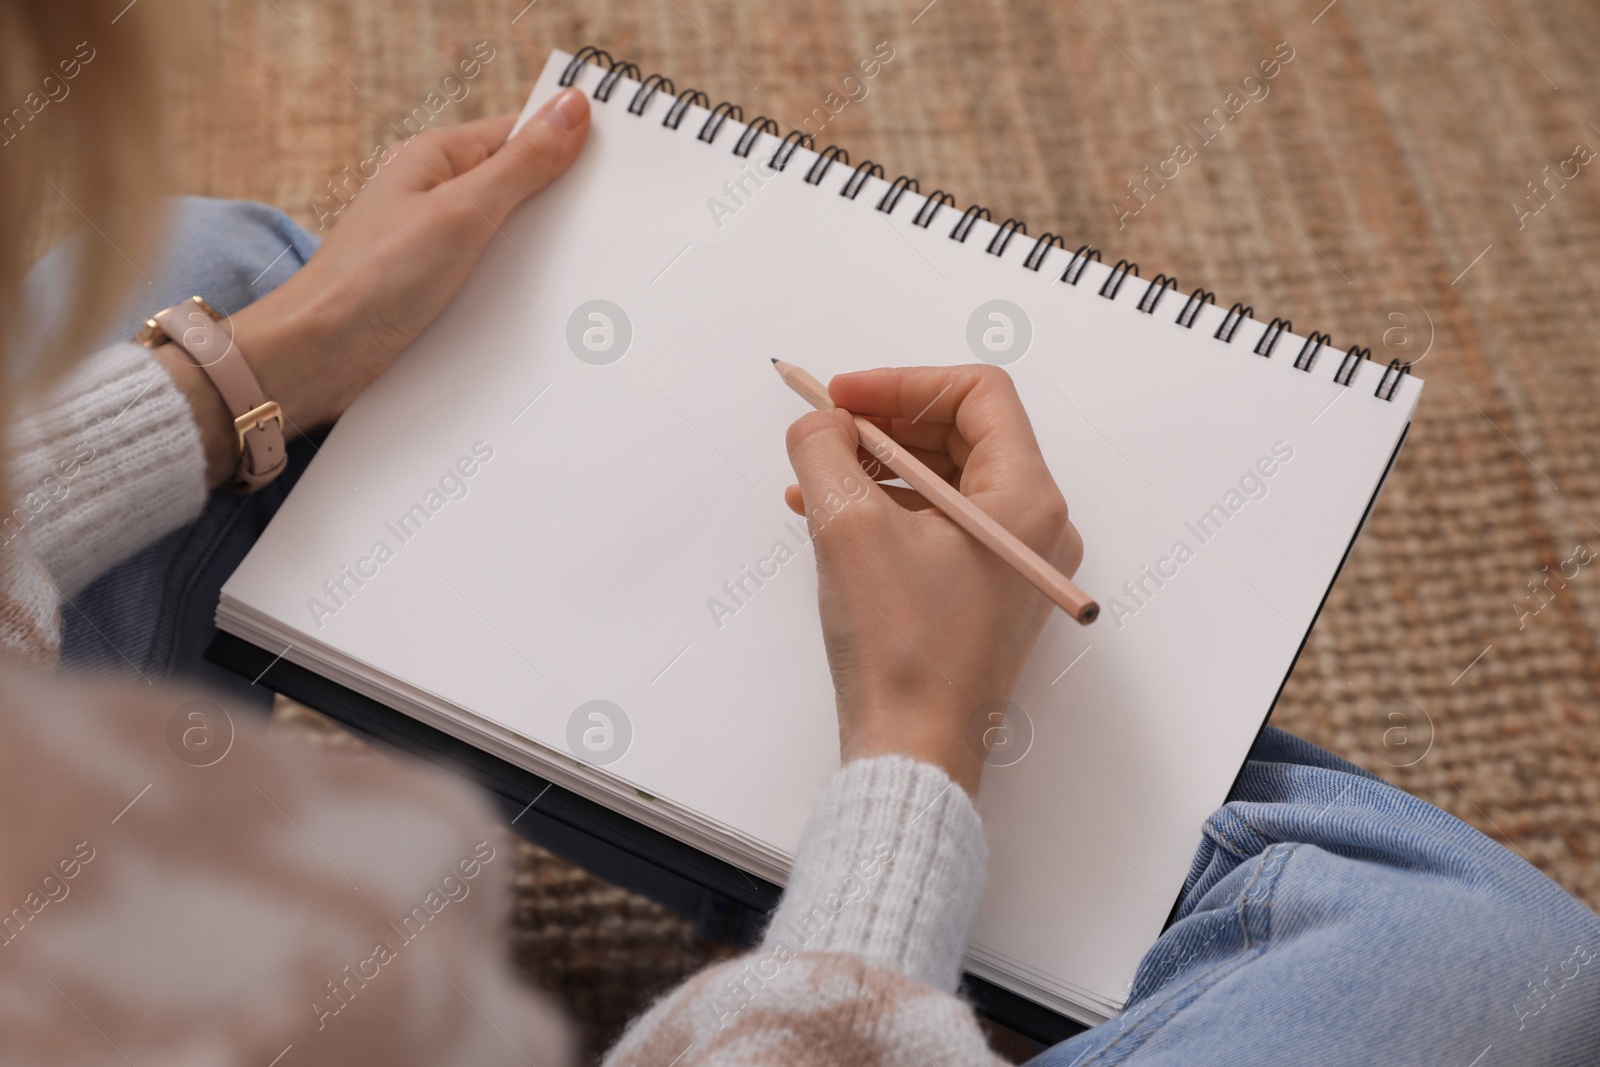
(620, 498)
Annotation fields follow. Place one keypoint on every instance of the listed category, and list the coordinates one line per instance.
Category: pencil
(948, 499)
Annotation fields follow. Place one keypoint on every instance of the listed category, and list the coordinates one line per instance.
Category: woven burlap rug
(1384, 169)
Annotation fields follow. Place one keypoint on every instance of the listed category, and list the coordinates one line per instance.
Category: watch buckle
(256, 419)
(151, 335)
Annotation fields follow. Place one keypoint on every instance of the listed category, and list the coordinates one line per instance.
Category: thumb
(822, 449)
(535, 156)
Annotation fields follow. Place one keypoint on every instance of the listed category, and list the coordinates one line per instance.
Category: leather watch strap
(194, 327)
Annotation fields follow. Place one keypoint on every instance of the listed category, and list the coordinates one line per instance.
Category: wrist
(218, 442)
(281, 339)
(919, 732)
(286, 337)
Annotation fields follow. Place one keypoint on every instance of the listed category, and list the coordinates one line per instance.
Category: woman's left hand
(400, 251)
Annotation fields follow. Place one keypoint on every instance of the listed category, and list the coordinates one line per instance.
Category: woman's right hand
(925, 628)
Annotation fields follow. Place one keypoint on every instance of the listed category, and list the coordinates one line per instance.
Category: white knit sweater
(883, 893)
(104, 465)
(861, 960)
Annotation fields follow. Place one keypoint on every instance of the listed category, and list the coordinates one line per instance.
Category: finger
(909, 499)
(822, 449)
(449, 151)
(938, 444)
(916, 394)
(981, 403)
(796, 502)
(932, 436)
(540, 152)
(938, 462)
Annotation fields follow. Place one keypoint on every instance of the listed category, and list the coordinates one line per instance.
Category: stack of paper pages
(556, 527)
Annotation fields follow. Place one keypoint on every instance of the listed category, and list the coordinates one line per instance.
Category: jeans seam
(1243, 904)
(1272, 891)
(1211, 976)
(1234, 846)
(1211, 825)
(1253, 828)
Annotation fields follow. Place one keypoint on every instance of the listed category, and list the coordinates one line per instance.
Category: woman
(239, 899)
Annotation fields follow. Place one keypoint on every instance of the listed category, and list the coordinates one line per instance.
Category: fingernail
(565, 111)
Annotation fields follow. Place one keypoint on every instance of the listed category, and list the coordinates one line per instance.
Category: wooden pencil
(948, 499)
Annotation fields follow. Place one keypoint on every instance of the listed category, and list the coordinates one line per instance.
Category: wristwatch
(193, 327)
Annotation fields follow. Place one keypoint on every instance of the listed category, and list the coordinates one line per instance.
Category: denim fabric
(1329, 918)
(155, 609)
(1332, 919)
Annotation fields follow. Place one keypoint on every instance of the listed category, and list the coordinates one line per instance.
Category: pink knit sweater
(279, 904)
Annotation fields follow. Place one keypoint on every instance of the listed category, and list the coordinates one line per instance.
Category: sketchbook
(555, 528)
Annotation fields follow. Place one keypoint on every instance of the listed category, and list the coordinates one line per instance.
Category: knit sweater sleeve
(861, 960)
(103, 465)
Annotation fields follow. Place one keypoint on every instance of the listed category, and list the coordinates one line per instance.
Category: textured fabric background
(1384, 165)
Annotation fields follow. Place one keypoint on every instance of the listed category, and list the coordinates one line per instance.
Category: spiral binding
(719, 114)
(1352, 360)
(1271, 336)
(1309, 350)
(818, 169)
(853, 184)
(1242, 312)
(615, 70)
(747, 140)
(647, 91)
(1080, 258)
(785, 151)
(891, 199)
(1002, 237)
(969, 219)
(1118, 275)
(1040, 249)
(936, 200)
(608, 84)
(1197, 300)
(1158, 286)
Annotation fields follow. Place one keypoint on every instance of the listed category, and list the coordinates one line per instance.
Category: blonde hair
(78, 149)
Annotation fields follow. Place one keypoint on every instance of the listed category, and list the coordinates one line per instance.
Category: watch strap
(194, 327)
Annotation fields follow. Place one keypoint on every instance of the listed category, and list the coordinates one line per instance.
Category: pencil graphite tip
(774, 360)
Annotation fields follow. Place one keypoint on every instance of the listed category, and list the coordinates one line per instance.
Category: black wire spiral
(616, 70)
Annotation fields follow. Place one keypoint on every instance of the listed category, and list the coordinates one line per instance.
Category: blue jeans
(155, 609)
(1329, 918)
